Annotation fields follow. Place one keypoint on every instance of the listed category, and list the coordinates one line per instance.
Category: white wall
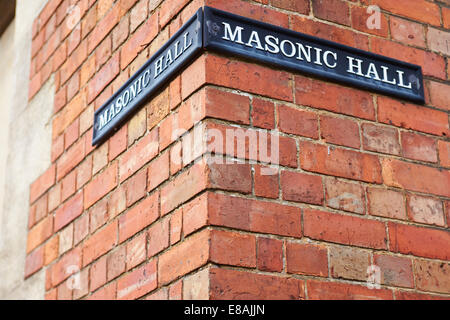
(25, 144)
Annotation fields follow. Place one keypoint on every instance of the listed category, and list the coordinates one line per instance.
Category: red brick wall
(363, 179)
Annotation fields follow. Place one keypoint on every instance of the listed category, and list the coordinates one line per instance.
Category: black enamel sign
(213, 29)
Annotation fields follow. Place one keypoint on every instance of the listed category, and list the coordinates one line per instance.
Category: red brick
(223, 248)
(117, 143)
(101, 185)
(189, 255)
(158, 171)
(74, 61)
(432, 64)
(386, 203)
(333, 10)
(330, 32)
(158, 237)
(300, 187)
(70, 159)
(339, 162)
(233, 284)
(142, 37)
(104, 27)
(84, 172)
(432, 276)
(269, 254)
(426, 210)
(380, 139)
(230, 176)
(262, 114)
(186, 185)
(227, 106)
(323, 290)
(54, 197)
(98, 215)
(417, 10)
(81, 229)
(138, 282)
(360, 16)
(300, 6)
(137, 156)
(316, 94)
(68, 265)
(344, 196)
(60, 56)
(419, 147)
(349, 263)
(419, 241)
(195, 214)
(68, 185)
(404, 175)
(34, 261)
(395, 271)
(68, 212)
(247, 77)
(439, 95)
(136, 251)
(103, 77)
(298, 122)
(71, 112)
(176, 224)
(97, 274)
(120, 33)
(344, 229)
(48, 11)
(307, 259)
(254, 215)
(446, 17)
(175, 92)
(51, 250)
(251, 11)
(266, 181)
(136, 187)
(107, 292)
(340, 131)
(444, 153)
(34, 86)
(103, 52)
(407, 32)
(137, 218)
(41, 208)
(100, 243)
(438, 40)
(57, 148)
(116, 263)
(157, 109)
(42, 184)
(408, 295)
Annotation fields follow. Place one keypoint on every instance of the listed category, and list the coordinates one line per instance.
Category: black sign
(285, 48)
(181, 48)
(221, 31)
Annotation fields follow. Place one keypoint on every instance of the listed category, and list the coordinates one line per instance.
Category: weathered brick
(116, 263)
(300, 6)
(136, 187)
(137, 218)
(432, 275)
(349, 263)
(418, 10)
(333, 10)
(323, 290)
(340, 131)
(315, 93)
(101, 185)
(298, 122)
(254, 215)
(158, 237)
(419, 147)
(263, 114)
(103, 77)
(307, 259)
(444, 153)
(339, 162)
(300, 187)
(395, 271)
(223, 248)
(138, 282)
(439, 95)
(380, 139)
(407, 32)
(269, 254)
(43, 183)
(34, 261)
(266, 181)
(419, 241)
(136, 251)
(233, 284)
(97, 274)
(158, 171)
(68, 265)
(344, 196)
(344, 229)
(68, 212)
(404, 175)
(426, 210)
(100, 243)
(438, 40)
(386, 203)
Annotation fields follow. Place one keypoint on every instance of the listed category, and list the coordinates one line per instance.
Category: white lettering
(231, 36)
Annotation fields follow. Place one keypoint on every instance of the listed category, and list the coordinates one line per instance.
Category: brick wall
(363, 179)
